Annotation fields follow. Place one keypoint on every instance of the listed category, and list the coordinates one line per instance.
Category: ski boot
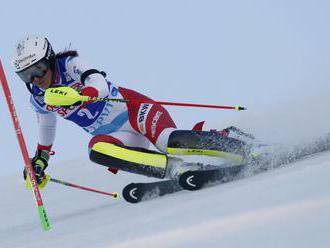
(254, 151)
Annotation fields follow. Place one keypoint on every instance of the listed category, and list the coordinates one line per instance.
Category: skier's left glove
(39, 163)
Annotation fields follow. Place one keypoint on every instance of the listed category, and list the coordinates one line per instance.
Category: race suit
(135, 125)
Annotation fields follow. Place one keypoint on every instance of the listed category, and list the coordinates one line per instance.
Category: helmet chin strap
(29, 87)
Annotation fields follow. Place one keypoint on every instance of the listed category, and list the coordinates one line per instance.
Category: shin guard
(188, 142)
(134, 160)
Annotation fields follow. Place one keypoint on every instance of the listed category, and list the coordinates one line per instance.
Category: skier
(122, 133)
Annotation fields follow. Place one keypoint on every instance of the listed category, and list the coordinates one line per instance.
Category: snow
(285, 207)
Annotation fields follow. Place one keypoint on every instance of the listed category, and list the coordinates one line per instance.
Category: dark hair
(72, 53)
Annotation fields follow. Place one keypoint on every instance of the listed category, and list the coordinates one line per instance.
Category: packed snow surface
(284, 207)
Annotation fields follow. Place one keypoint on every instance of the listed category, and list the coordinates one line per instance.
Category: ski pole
(115, 195)
(66, 96)
(28, 166)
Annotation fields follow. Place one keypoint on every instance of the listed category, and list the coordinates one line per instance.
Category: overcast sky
(272, 56)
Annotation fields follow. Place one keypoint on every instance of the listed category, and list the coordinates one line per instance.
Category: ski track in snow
(285, 207)
(231, 225)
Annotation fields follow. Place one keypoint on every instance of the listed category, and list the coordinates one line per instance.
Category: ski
(198, 179)
(189, 180)
(206, 176)
(137, 192)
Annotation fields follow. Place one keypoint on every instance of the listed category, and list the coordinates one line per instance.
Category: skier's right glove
(39, 163)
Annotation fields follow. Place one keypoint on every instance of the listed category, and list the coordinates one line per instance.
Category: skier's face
(45, 81)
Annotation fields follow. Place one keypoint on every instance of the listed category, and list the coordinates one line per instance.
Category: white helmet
(32, 57)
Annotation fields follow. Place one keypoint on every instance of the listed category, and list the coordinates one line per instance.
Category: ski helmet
(32, 57)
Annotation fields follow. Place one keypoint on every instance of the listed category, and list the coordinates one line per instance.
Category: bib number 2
(85, 112)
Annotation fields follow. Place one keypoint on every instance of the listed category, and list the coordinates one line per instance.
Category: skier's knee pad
(188, 142)
(134, 160)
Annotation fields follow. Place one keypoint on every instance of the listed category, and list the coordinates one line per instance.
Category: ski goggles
(38, 69)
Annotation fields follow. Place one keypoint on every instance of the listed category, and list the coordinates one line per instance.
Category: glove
(39, 163)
